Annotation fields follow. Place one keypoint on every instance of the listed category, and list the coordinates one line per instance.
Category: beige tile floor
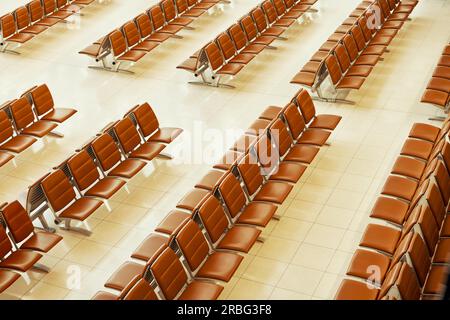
(307, 251)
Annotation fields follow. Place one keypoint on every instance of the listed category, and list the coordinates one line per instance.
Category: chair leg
(117, 68)
(107, 205)
(12, 52)
(26, 277)
(125, 71)
(116, 65)
(261, 239)
(56, 134)
(200, 83)
(41, 267)
(75, 229)
(218, 84)
(437, 118)
(39, 214)
(3, 49)
(320, 97)
(331, 100)
(344, 101)
(100, 68)
(313, 10)
(165, 155)
(204, 82)
(104, 66)
(223, 85)
(45, 225)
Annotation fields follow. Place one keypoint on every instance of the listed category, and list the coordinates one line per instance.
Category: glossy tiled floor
(306, 253)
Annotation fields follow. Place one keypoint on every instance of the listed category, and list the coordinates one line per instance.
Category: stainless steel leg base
(437, 118)
(100, 68)
(52, 230)
(10, 52)
(165, 155)
(316, 98)
(330, 100)
(109, 69)
(41, 267)
(222, 85)
(45, 225)
(216, 83)
(39, 214)
(124, 71)
(67, 227)
(107, 205)
(78, 230)
(344, 101)
(199, 83)
(56, 134)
